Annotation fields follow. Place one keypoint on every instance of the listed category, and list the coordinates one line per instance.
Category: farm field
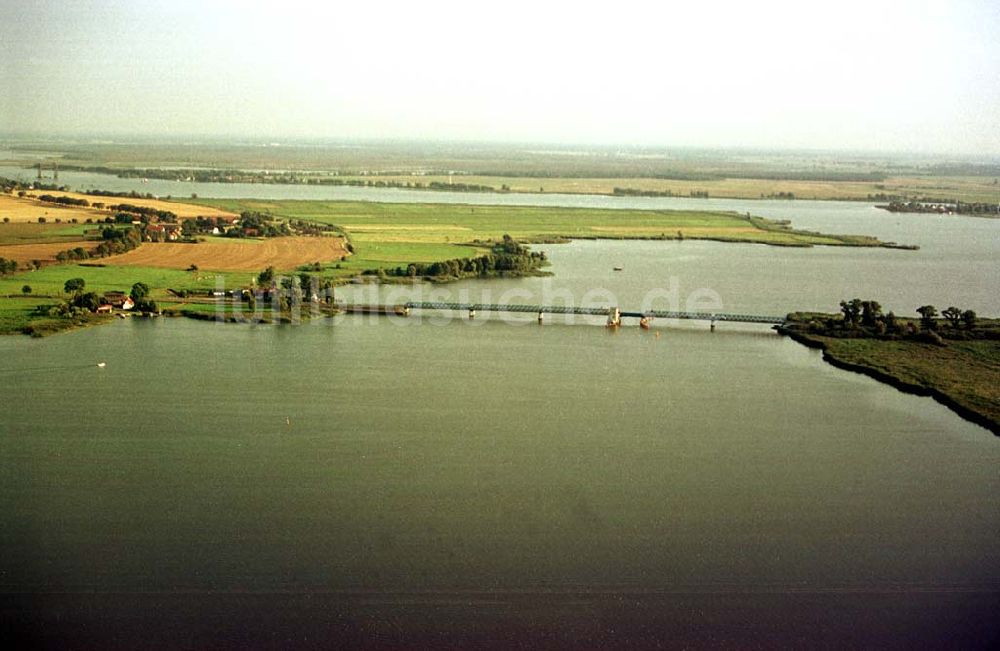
(24, 210)
(44, 252)
(31, 233)
(368, 223)
(49, 280)
(220, 254)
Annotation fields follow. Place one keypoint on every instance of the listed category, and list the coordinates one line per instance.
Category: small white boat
(101, 364)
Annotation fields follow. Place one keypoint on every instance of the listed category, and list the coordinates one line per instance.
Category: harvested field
(282, 253)
(182, 210)
(46, 252)
(21, 210)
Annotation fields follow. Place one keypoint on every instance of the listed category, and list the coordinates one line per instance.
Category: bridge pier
(539, 317)
(614, 317)
(472, 314)
(711, 326)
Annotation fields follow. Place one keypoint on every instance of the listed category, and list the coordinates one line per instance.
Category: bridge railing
(593, 311)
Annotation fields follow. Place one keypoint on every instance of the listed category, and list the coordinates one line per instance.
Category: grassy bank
(963, 375)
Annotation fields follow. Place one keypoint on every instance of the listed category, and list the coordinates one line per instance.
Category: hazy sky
(872, 74)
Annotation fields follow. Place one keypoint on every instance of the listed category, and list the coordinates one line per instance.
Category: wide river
(376, 480)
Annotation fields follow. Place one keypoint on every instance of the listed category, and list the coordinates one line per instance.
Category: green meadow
(374, 228)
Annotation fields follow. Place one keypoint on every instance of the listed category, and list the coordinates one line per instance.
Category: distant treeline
(65, 201)
(337, 177)
(957, 207)
(680, 175)
(145, 211)
(283, 178)
(963, 169)
(128, 195)
(635, 192)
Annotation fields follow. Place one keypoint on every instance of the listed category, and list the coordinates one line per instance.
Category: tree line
(866, 318)
(506, 258)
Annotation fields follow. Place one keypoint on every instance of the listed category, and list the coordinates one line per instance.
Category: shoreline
(894, 381)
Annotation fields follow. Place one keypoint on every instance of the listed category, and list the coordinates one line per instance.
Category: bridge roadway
(594, 311)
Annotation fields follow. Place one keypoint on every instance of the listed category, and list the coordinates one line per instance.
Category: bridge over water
(614, 314)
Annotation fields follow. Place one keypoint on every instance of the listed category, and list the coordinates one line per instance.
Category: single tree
(74, 285)
(88, 301)
(891, 324)
(146, 305)
(927, 314)
(954, 316)
(26, 289)
(871, 311)
(969, 318)
(266, 277)
(139, 292)
(851, 310)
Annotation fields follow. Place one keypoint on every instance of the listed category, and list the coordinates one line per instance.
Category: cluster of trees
(251, 224)
(779, 195)
(635, 192)
(7, 266)
(145, 214)
(507, 258)
(202, 225)
(860, 318)
(11, 185)
(313, 228)
(77, 253)
(258, 224)
(454, 187)
(956, 317)
(113, 241)
(289, 290)
(126, 195)
(944, 207)
(82, 301)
